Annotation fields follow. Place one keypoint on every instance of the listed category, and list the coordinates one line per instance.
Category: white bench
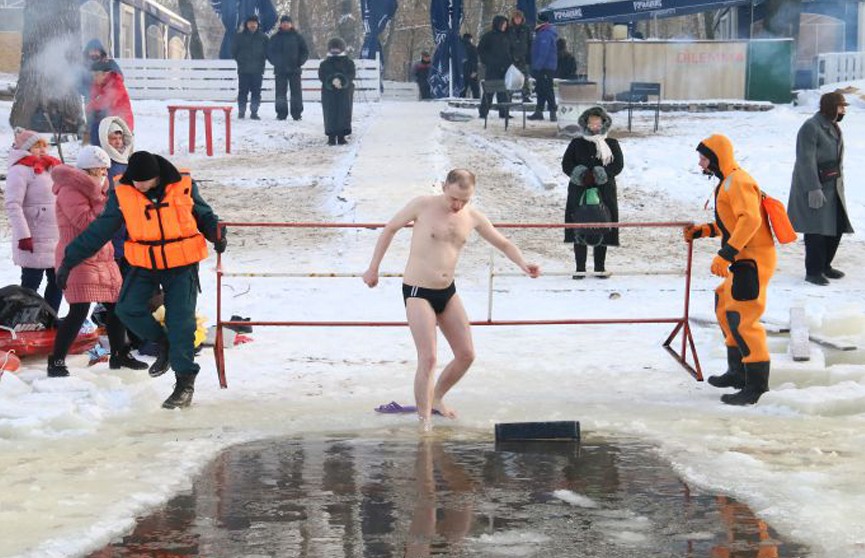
(216, 80)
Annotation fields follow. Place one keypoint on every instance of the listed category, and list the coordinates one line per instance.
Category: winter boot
(331, 140)
(241, 114)
(123, 359)
(577, 275)
(537, 115)
(734, 377)
(161, 364)
(756, 384)
(181, 397)
(341, 140)
(254, 115)
(57, 367)
(553, 117)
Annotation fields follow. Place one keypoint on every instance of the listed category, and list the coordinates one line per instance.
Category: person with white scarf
(592, 160)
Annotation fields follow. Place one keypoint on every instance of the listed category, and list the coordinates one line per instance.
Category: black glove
(61, 275)
(222, 243)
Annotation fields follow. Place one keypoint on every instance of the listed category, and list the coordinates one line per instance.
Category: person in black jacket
(250, 52)
(592, 160)
(287, 52)
(336, 73)
(494, 51)
(521, 46)
(420, 71)
(470, 68)
(567, 65)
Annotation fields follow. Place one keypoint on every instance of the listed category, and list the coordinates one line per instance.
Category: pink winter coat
(79, 202)
(30, 207)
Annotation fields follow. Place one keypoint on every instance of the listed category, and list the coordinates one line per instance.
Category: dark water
(346, 497)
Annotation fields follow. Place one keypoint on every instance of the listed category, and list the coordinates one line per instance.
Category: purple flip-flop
(394, 408)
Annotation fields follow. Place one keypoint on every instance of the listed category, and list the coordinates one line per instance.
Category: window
(95, 24)
(155, 42)
(127, 31)
(176, 48)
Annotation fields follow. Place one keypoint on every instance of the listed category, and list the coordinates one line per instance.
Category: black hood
(168, 173)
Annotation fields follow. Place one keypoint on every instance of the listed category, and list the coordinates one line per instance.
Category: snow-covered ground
(80, 458)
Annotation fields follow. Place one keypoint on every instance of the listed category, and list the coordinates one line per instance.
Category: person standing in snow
(544, 62)
(336, 73)
(29, 205)
(81, 193)
(566, 64)
(441, 226)
(108, 97)
(817, 206)
(520, 36)
(287, 52)
(470, 68)
(494, 52)
(420, 73)
(746, 261)
(592, 160)
(249, 50)
(167, 222)
(93, 52)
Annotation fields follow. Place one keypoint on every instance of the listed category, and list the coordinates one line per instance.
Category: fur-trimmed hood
(583, 121)
(65, 176)
(111, 124)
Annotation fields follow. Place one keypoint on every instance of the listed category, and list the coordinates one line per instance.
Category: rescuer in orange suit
(746, 261)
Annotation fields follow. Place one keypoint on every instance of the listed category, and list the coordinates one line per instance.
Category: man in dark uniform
(287, 51)
(167, 222)
(250, 52)
(470, 68)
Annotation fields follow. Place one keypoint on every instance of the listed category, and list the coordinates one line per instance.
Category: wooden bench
(216, 80)
(493, 86)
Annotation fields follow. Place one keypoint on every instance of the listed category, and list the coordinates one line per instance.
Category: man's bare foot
(426, 425)
(443, 409)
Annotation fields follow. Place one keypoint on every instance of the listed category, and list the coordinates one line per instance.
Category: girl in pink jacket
(30, 208)
(81, 194)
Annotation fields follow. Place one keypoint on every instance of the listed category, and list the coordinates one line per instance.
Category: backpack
(778, 219)
(22, 309)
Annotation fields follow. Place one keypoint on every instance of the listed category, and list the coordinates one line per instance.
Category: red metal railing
(681, 322)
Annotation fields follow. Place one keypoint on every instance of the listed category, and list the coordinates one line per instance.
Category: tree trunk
(51, 66)
(347, 27)
(305, 23)
(709, 24)
(782, 18)
(187, 12)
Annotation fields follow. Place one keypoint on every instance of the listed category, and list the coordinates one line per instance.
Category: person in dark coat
(470, 67)
(592, 160)
(521, 46)
(250, 52)
(287, 52)
(164, 252)
(93, 52)
(420, 72)
(566, 68)
(817, 206)
(494, 52)
(544, 62)
(336, 73)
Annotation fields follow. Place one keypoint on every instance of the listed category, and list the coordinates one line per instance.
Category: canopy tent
(592, 11)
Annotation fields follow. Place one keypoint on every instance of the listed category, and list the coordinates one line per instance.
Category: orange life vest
(164, 234)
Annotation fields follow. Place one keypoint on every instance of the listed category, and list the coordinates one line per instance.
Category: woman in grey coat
(816, 206)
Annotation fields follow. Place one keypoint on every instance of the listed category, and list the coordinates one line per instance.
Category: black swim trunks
(437, 298)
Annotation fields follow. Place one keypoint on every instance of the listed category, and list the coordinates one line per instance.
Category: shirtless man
(442, 224)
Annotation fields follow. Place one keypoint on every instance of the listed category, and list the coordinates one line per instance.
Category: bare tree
(187, 12)
(47, 97)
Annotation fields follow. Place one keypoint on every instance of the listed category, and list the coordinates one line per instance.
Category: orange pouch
(781, 225)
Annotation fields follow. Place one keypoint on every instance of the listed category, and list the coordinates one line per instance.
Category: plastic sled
(29, 343)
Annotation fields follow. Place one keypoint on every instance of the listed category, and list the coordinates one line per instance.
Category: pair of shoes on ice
(336, 140)
(239, 328)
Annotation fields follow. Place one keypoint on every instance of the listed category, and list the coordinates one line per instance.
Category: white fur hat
(92, 157)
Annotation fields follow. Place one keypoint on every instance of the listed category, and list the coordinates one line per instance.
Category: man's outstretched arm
(489, 233)
(402, 218)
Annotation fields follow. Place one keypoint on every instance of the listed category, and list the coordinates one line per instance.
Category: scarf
(39, 164)
(602, 150)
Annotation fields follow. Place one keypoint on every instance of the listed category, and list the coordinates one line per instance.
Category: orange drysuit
(747, 246)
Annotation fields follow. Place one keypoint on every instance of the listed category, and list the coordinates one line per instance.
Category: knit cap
(25, 139)
(92, 157)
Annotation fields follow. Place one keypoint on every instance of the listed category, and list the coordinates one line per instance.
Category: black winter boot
(57, 367)
(181, 397)
(734, 377)
(537, 115)
(161, 365)
(341, 140)
(331, 140)
(123, 359)
(553, 117)
(756, 384)
(254, 115)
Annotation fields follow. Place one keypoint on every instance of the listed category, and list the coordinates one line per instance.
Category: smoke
(58, 65)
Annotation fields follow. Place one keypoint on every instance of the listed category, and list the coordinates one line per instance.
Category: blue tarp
(446, 16)
(589, 11)
(376, 15)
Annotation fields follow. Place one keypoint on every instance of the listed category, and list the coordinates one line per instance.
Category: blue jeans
(31, 278)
